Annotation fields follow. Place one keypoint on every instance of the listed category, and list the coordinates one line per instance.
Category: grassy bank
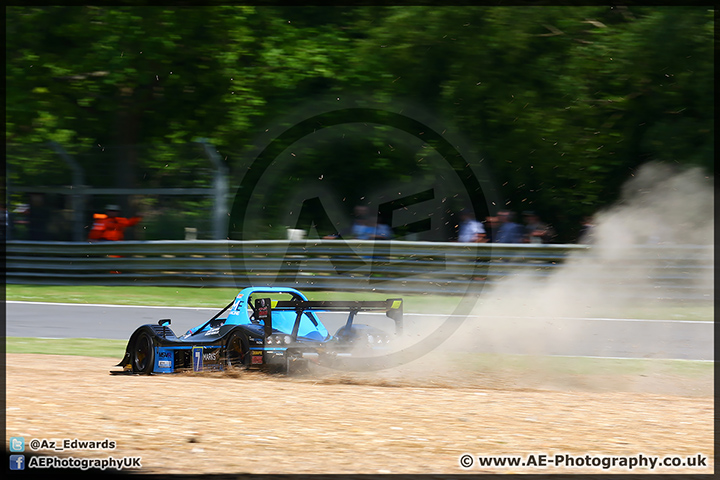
(195, 297)
(581, 365)
(219, 297)
(90, 347)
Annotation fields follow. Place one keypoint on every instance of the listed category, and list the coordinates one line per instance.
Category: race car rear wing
(393, 308)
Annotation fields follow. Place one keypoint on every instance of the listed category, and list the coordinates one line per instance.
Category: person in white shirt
(471, 231)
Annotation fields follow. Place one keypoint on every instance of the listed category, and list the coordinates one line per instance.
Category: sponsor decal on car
(212, 356)
(165, 360)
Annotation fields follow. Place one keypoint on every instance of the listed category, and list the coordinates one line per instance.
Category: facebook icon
(17, 462)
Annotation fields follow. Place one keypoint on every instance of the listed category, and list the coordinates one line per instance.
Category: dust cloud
(662, 226)
(663, 219)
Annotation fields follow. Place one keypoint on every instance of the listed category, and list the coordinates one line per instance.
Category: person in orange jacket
(109, 227)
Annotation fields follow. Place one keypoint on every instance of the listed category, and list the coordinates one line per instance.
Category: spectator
(38, 217)
(363, 228)
(109, 227)
(382, 231)
(586, 230)
(6, 223)
(366, 227)
(509, 231)
(470, 231)
(19, 221)
(491, 226)
(535, 230)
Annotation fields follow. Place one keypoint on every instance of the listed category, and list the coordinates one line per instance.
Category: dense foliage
(560, 104)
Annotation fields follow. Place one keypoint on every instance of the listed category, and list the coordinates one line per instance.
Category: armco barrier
(680, 272)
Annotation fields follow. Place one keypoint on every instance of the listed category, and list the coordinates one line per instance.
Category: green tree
(125, 76)
(562, 103)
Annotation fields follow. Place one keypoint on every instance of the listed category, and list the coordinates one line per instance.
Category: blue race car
(264, 327)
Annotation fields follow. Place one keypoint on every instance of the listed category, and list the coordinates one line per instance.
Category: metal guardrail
(383, 266)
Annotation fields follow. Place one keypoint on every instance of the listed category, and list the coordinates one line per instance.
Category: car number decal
(197, 354)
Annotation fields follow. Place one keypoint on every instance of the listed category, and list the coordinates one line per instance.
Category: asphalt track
(582, 337)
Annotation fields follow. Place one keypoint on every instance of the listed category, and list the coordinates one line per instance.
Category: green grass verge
(581, 365)
(90, 347)
(215, 297)
(182, 297)
(195, 297)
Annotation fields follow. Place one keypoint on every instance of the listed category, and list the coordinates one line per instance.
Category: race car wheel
(143, 354)
(237, 351)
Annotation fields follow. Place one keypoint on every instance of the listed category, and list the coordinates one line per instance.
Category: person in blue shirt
(509, 231)
(366, 227)
(361, 228)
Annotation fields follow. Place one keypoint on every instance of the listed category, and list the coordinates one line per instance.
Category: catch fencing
(653, 271)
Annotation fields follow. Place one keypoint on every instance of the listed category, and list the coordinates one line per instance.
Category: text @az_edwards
(70, 444)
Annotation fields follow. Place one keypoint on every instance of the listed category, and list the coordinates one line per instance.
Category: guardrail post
(78, 196)
(220, 186)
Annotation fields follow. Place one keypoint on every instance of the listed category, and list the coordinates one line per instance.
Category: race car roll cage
(263, 307)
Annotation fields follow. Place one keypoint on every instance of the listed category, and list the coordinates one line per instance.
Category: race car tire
(236, 351)
(143, 354)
